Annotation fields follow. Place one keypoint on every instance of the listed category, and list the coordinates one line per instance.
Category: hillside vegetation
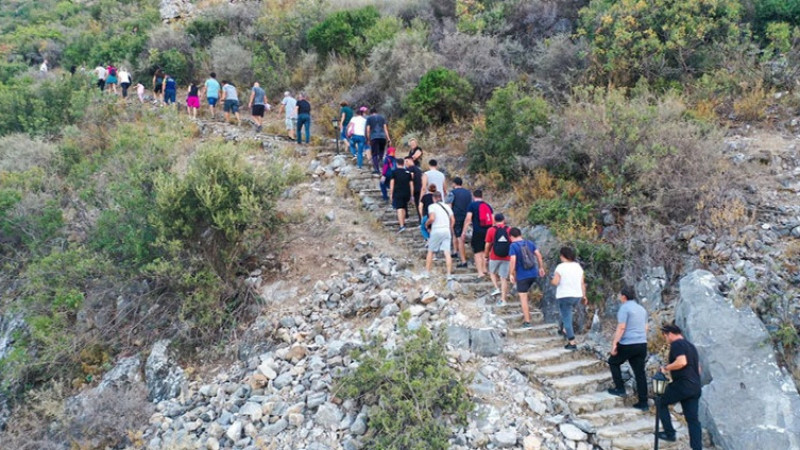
(118, 226)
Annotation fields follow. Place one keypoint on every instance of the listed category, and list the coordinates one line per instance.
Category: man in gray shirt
(630, 344)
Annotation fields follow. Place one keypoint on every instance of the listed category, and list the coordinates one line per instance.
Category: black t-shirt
(417, 172)
(461, 200)
(418, 161)
(193, 91)
(427, 200)
(401, 179)
(303, 107)
(687, 380)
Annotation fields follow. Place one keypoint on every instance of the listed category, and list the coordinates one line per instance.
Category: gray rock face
(748, 402)
(162, 374)
(174, 9)
(484, 342)
(650, 287)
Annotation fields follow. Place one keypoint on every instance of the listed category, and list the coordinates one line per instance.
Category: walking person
(433, 175)
(158, 82)
(481, 216)
(526, 266)
(684, 367)
(257, 105)
(459, 200)
(289, 107)
(170, 89)
(345, 115)
(192, 99)
(101, 73)
(44, 67)
(140, 92)
(401, 191)
(377, 136)
(387, 171)
(230, 101)
(422, 208)
(415, 152)
(211, 90)
(111, 79)
(498, 247)
(416, 174)
(357, 132)
(630, 344)
(124, 81)
(440, 222)
(303, 118)
(570, 290)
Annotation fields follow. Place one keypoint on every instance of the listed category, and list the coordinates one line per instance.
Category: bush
(478, 59)
(230, 58)
(767, 11)
(42, 108)
(440, 97)
(343, 32)
(412, 393)
(511, 118)
(556, 64)
(203, 30)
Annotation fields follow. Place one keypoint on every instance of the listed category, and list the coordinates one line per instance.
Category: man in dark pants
(630, 344)
(684, 365)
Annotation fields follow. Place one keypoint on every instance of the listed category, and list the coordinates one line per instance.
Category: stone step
(645, 441)
(615, 416)
(577, 367)
(581, 384)
(642, 425)
(548, 356)
(515, 320)
(410, 223)
(545, 329)
(594, 401)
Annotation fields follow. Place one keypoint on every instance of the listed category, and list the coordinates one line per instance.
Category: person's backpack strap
(445, 209)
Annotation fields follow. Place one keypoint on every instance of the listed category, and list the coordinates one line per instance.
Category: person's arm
(367, 131)
(541, 262)
(419, 207)
(452, 223)
(512, 268)
(154, 82)
(296, 110)
(417, 154)
(341, 121)
(556, 278)
(411, 186)
(679, 363)
(391, 188)
(617, 337)
(583, 288)
(487, 250)
(224, 94)
(424, 182)
(468, 221)
(386, 130)
(431, 218)
(252, 96)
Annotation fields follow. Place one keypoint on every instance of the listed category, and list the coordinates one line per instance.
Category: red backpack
(485, 215)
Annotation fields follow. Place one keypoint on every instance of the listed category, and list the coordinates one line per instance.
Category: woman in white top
(570, 289)
(357, 132)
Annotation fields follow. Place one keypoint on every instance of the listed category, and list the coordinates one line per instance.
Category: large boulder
(164, 377)
(175, 9)
(748, 402)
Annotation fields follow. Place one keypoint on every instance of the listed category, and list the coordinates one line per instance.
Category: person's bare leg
(429, 261)
(523, 299)
(479, 262)
(401, 217)
(462, 247)
(449, 261)
(503, 288)
(493, 277)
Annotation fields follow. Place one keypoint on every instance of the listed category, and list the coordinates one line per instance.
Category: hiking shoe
(664, 436)
(500, 303)
(526, 325)
(462, 265)
(571, 347)
(258, 129)
(617, 392)
(454, 255)
(401, 229)
(495, 292)
(642, 406)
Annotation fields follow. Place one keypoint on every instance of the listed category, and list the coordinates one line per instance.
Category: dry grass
(752, 105)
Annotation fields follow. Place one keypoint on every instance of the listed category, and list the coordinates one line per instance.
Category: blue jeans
(385, 189)
(425, 233)
(304, 119)
(357, 144)
(565, 307)
(169, 96)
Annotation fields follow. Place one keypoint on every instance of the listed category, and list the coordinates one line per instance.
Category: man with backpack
(498, 247)
(481, 215)
(459, 200)
(387, 170)
(440, 221)
(526, 266)
(401, 191)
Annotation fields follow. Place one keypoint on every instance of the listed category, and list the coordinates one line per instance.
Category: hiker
(415, 152)
(230, 101)
(304, 118)
(401, 191)
(158, 82)
(498, 244)
(570, 289)
(192, 99)
(289, 107)
(101, 73)
(111, 78)
(416, 174)
(257, 105)
(170, 89)
(387, 170)
(434, 176)
(630, 344)
(684, 367)
(211, 90)
(422, 208)
(440, 222)
(526, 266)
(345, 115)
(459, 200)
(356, 131)
(124, 81)
(140, 92)
(377, 136)
(43, 68)
(481, 216)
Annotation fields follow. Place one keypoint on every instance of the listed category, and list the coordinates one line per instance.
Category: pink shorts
(193, 102)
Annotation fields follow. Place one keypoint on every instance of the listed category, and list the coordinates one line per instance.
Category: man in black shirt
(303, 109)
(401, 190)
(459, 200)
(684, 365)
(416, 173)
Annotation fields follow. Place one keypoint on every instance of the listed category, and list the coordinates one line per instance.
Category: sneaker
(401, 229)
(495, 292)
(617, 392)
(462, 265)
(526, 325)
(454, 255)
(571, 347)
(642, 406)
(500, 303)
(258, 129)
(664, 436)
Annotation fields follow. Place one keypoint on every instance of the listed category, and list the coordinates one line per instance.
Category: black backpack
(502, 243)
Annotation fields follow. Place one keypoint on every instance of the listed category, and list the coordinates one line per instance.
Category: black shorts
(458, 228)
(523, 286)
(158, 88)
(258, 110)
(401, 201)
(478, 241)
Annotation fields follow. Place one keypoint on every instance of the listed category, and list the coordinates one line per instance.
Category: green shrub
(767, 11)
(561, 211)
(512, 116)
(602, 264)
(440, 97)
(203, 30)
(412, 393)
(343, 32)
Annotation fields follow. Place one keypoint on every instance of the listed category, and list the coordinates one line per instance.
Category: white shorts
(291, 124)
(439, 240)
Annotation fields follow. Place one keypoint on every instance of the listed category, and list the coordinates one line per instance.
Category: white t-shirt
(570, 284)
(290, 104)
(359, 125)
(442, 214)
(124, 77)
(101, 72)
(437, 178)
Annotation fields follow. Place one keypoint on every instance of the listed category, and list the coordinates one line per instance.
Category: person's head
(408, 161)
(431, 188)
(477, 194)
(287, 94)
(499, 219)
(213, 75)
(458, 182)
(413, 143)
(256, 84)
(224, 82)
(516, 234)
(344, 103)
(362, 110)
(437, 196)
(373, 110)
(627, 293)
(301, 96)
(567, 254)
(433, 163)
(671, 332)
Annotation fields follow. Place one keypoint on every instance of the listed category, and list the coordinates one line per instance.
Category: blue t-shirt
(460, 199)
(212, 88)
(516, 250)
(634, 316)
(474, 208)
(375, 123)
